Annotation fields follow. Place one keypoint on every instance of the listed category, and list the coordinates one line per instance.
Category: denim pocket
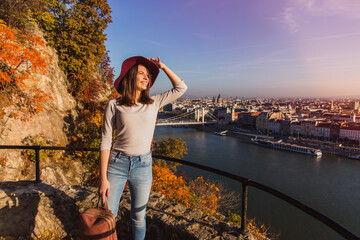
(113, 155)
(146, 160)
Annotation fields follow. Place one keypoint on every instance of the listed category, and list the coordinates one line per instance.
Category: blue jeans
(137, 170)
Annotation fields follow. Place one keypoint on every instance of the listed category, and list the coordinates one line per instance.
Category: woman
(133, 117)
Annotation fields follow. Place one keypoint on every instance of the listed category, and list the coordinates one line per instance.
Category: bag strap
(100, 204)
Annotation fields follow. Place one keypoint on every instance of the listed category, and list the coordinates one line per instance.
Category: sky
(244, 48)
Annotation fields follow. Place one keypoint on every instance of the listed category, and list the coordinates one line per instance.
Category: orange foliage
(205, 195)
(172, 186)
(87, 134)
(114, 94)
(21, 56)
(93, 90)
(94, 118)
(199, 194)
(258, 232)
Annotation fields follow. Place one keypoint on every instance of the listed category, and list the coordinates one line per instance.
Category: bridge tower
(203, 115)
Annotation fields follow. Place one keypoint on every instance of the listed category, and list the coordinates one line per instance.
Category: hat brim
(130, 62)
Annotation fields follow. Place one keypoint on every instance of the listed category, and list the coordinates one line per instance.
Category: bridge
(189, 118)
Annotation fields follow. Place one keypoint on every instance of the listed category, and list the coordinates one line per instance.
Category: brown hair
(127, 89)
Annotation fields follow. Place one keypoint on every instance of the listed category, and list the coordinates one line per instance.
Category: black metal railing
(37, 149)
(245, 182)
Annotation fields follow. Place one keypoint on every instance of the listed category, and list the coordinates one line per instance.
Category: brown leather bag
(98, 223)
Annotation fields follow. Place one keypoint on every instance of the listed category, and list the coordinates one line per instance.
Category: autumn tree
(172, 147)
(75, 28)
(15, 13)
(77, 33)
(173, 187)
(21, 56)
(204, 195)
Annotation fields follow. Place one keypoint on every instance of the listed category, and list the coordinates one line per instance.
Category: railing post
(37, 163)
(244, 198)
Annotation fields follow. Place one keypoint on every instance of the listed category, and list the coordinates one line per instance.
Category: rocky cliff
(51, 124)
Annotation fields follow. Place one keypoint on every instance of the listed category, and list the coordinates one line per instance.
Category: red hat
(130, 62)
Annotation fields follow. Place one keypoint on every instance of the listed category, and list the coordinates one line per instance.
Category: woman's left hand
(157, 62)
(172, 76)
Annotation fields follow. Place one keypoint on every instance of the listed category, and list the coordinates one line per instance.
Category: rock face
(51, 123)
(29, 210)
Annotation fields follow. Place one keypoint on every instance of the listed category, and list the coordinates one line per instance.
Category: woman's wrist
(103, 178)
(163, 66)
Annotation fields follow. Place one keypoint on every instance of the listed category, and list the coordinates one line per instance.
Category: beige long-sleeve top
(134, 126)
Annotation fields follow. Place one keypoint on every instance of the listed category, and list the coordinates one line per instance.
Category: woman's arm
(179, 87)
(105, 146)
(104, 188)
(171, 75)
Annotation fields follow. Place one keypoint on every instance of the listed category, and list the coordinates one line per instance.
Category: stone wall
(28, 210)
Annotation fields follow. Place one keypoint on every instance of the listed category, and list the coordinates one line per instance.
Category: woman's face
(142, 78)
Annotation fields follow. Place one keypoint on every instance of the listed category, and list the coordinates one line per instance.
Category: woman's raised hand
(157, 62)
(172, 76)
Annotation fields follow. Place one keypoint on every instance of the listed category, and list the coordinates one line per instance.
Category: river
(330, 184)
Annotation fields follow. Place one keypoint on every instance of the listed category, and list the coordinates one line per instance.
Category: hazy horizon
(272, 97)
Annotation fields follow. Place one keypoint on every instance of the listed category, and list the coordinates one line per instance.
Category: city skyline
(296, 48)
